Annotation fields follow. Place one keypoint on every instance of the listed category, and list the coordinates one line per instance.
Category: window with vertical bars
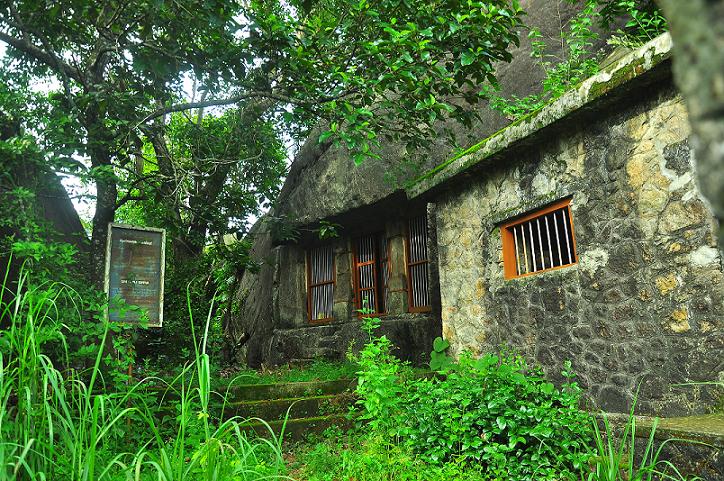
(417, 265)
(320, 282)
(371, 272)
(541, 241)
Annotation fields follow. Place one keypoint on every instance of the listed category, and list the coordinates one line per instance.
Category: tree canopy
(365, 70)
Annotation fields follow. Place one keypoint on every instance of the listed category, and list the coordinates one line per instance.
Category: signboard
(135, 262)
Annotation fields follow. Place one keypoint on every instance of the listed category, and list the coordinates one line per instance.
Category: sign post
(135, 265)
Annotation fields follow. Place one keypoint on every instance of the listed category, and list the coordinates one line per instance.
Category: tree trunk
(105, 213)
(99, 140)
(697, 31)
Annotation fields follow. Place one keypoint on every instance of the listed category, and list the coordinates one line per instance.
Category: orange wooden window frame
(506, 234)
(356, 264)
(311, 286)
(408, 271)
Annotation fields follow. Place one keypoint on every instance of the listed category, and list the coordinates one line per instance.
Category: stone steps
(296, 429)
(291, 390)
(296, 408)
(301, 407)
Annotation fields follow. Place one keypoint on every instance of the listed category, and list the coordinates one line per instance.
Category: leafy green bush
(498, 412)
(379, 385)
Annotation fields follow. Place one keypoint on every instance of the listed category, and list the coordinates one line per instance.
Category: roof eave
(638, 64)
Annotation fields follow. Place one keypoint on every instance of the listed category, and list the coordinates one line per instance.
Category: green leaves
(380, 65)
(378, 381)
(467, 58)
(372, 71)
(440, 344)
(500, 422)
(498, 413)
(439, 361)
(328, 230)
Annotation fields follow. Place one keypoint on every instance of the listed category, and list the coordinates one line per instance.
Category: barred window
(371, 272)
(418, 265)
(320, 282)
(540, 241)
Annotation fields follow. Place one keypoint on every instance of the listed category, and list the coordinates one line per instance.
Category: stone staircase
(309, 407)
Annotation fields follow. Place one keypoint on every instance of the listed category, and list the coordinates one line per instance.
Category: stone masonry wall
(645, 303)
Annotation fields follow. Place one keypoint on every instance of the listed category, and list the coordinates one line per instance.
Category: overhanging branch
(212, 103)
(254, 94)
(41, 56)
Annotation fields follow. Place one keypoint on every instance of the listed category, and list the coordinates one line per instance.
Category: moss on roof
(635, 64)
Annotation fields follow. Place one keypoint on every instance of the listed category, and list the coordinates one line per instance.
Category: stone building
(576, 233)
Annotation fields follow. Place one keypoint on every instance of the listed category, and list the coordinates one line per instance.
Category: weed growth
(642, 21)
(66, 423)
(617, 458)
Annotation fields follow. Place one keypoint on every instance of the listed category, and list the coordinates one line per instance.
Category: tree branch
(211, 103)
(254, 94)
(41, 56)
(127, 198)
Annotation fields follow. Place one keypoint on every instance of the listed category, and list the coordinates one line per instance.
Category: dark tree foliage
(363, 68)
(120, 113)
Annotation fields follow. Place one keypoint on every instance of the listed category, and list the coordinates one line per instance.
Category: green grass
(60, 423)
(317, 370)
(354, 456)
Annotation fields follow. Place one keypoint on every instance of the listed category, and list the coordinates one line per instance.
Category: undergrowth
(493, 418)
(64, 422)
(338, 456)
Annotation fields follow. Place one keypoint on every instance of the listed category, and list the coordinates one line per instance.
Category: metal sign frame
(112, 226)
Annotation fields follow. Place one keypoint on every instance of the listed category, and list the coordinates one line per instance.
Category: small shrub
(501, 413)
(495, 412)
(379, 384)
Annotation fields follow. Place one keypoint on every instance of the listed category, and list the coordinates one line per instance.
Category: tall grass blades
(59, 423)
(52, 426)
(198, 449)
(614, 458)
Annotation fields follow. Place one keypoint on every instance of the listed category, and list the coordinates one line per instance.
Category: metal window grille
(372, 272)
(540, 242)
(321, 275)
(418, 265)
(386, 267)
